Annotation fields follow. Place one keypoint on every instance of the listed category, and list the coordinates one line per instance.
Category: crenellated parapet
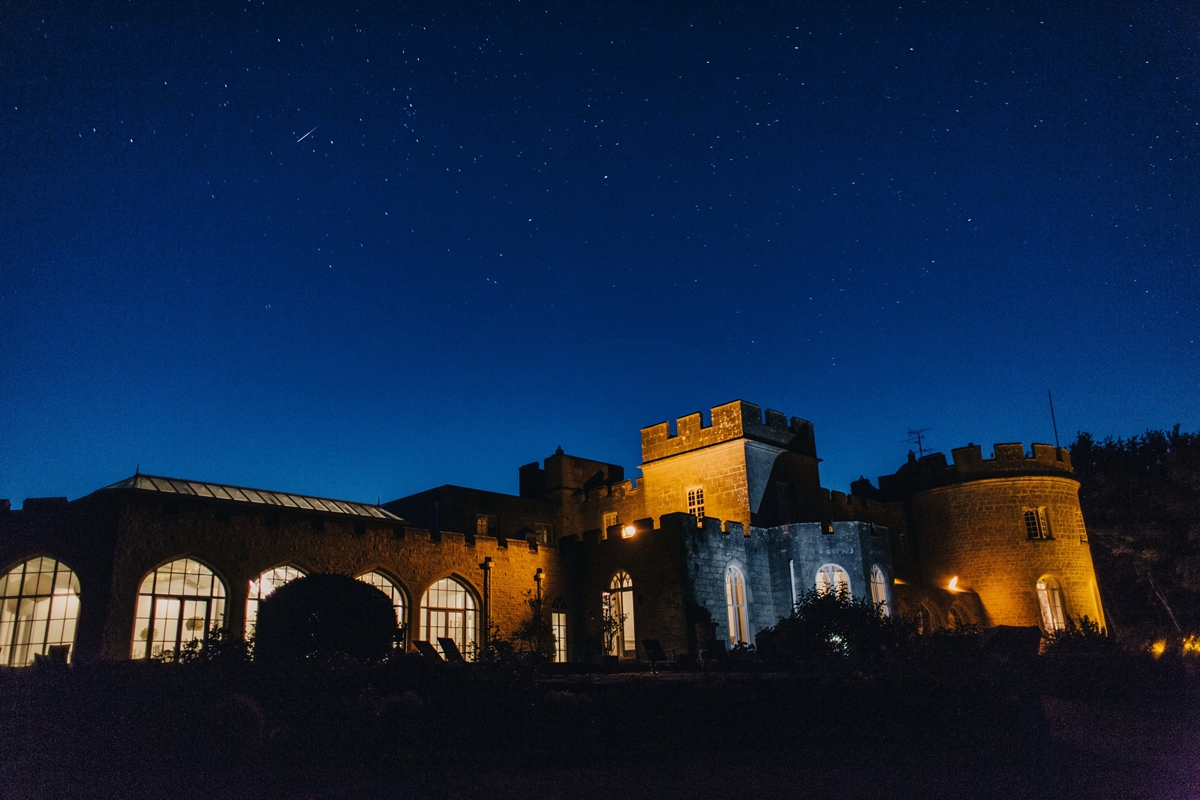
(1007, 460)
(736, 420)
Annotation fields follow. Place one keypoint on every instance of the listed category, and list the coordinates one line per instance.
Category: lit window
(610, 519)
(485, 525)
(879, 590)
(263, 585)
(558, 624)
(542, 532)
(177, 603)
(1035, 524)
(735, 605)
(618, 609)
(40, 605)
(1050, 600)
(448, 611)
(385, 584)
(831, 577)
(695, 498)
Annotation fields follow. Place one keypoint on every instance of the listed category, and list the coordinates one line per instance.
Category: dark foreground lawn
(403, 729)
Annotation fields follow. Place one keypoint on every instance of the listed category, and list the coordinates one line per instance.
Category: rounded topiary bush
(323, 614)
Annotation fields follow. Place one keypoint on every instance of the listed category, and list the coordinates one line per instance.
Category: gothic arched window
(879, 590)
(177, 603)
(735, 605)
(39, 606)
(831, 578)
(618, 609)
(448, 610)
(386, 585)
(263, 585)
(1050, 600)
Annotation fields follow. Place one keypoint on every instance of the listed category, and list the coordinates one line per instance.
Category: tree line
(1141, 502)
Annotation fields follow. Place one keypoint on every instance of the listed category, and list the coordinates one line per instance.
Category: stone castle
(726, 528)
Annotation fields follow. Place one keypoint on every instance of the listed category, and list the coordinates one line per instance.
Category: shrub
(1084, 636)
(832, 625)
(324, 614)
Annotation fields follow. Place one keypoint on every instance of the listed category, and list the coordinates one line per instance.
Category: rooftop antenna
(917, 437)
(1052, 420)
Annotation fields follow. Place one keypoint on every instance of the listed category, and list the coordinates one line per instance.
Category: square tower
(744, 467)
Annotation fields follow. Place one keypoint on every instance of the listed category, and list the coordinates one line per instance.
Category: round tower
(1008, 528)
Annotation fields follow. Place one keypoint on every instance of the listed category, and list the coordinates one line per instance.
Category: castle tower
(744, 467)
(1008, 528)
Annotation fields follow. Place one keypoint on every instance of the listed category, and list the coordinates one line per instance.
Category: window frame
(400, 601)
(604, 522)
(12, 628)
(832, 579)
(558, 627)
(1050, 600)
(620, 590)
(152, 603)
(736, 606)
(471, 617)
(1040, 528)
(256, 595)
(487, 524)
(695, 503)
(880, 594)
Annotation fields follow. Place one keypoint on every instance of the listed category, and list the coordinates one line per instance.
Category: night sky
(360, 252)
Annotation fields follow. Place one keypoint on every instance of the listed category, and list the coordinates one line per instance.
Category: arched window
(924, 620)
(1050, 599)
(831, 577)
(448, 611)
(618, 609)
(385, 584)
(735, 605)
(263, 585)
(177, 603)
(879, 591)
(39, 605)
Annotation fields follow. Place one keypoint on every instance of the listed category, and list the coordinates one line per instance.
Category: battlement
(736, 420)
(563, 472)
(1008, 460)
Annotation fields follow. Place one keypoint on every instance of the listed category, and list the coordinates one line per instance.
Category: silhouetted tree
(1141, 503)
(323, 614)
(534, 634)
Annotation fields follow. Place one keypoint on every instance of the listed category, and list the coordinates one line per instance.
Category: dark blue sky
(517, 226)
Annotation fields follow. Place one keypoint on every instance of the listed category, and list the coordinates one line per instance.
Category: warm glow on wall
(1191, 646)
(628, 531)
(1158, 648)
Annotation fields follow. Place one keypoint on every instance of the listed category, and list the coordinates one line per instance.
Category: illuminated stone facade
(726, 527)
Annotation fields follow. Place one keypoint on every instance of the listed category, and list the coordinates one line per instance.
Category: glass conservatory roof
(241, 494)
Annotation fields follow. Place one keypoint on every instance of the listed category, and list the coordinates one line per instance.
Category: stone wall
(114, 541)
(976, 531)
(719, 469)
(653, 558)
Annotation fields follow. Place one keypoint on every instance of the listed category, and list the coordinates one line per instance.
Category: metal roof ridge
(139, 480)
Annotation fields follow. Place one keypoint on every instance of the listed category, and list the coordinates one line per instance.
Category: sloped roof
(242, 494)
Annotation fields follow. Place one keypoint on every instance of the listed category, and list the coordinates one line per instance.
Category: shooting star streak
(305, 136)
